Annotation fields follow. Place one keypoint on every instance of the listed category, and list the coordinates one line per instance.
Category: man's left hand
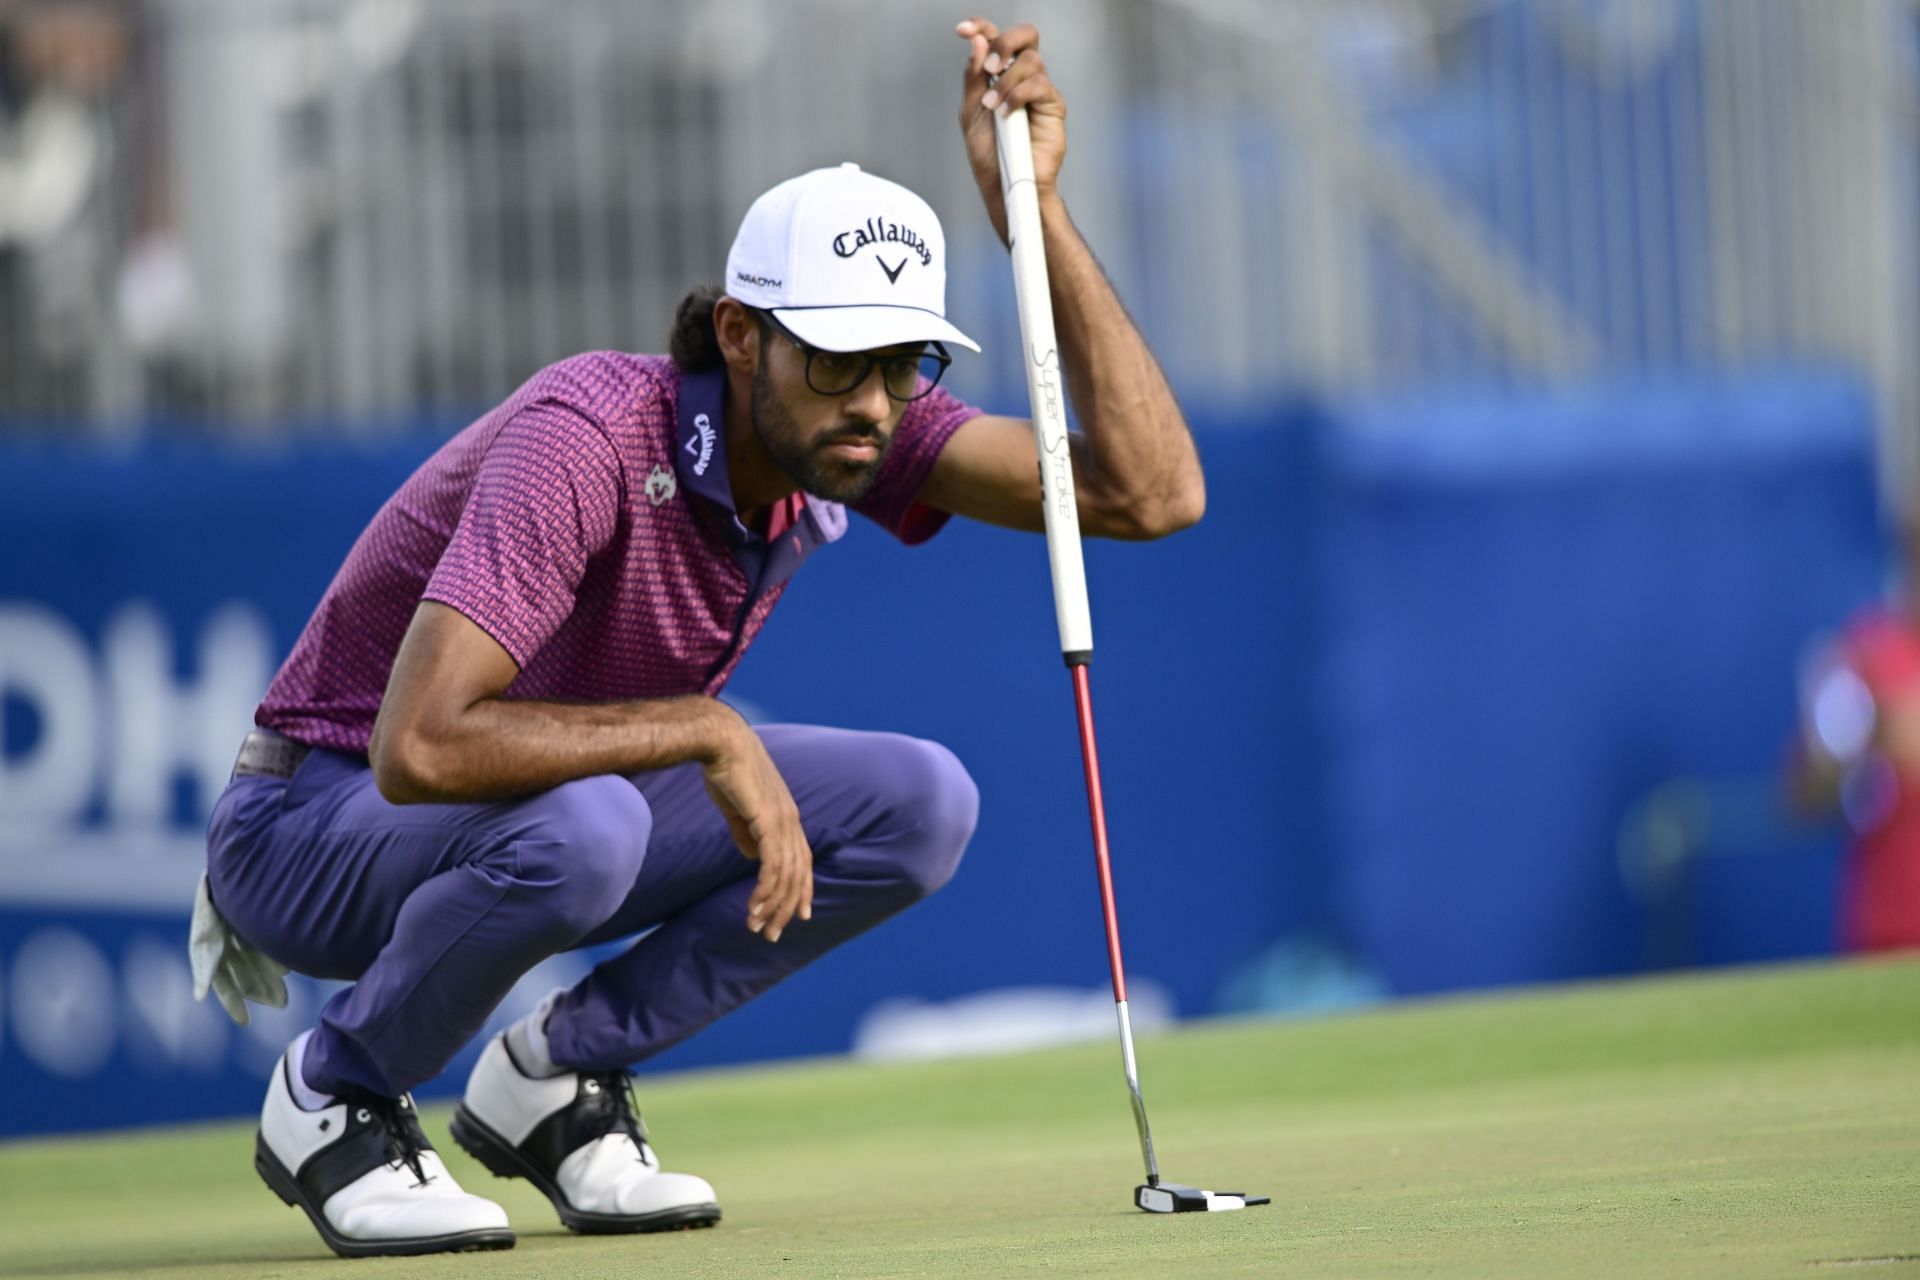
(1004, 73)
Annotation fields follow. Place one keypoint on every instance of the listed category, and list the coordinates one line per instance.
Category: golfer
(500, 735)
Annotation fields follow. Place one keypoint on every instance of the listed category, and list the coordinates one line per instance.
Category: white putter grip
(1044, 387)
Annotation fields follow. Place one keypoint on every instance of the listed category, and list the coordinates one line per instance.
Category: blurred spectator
(61, 67)
(1858, 755)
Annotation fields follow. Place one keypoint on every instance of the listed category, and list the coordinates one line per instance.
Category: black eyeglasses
(907, 376)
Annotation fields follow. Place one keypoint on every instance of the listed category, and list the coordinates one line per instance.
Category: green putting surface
(1747, 1123)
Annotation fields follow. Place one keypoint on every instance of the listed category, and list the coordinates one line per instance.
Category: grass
(1751, 1124)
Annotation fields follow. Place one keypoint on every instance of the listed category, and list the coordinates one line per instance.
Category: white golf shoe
(576, 1137)
(368, 1178)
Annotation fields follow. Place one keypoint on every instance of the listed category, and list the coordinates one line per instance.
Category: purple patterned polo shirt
(587, 524)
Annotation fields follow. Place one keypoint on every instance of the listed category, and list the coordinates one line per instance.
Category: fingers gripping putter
(1045, 388)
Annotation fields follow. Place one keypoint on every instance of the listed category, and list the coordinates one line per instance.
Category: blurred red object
(1860, 754)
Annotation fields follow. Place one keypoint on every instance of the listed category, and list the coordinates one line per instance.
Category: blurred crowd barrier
(1383, 723)
(259, 215)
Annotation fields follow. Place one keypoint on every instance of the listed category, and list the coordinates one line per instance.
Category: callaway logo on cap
(847, 261)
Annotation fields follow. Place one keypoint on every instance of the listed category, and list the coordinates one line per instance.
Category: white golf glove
(224, 963)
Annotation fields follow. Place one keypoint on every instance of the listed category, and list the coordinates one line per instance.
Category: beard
(816, 471)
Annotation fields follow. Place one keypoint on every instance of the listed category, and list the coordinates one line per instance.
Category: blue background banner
(1381, 724)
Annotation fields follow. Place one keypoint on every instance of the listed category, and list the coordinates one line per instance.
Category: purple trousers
(434, 911)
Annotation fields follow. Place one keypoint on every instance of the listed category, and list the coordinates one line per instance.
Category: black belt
(266, 754)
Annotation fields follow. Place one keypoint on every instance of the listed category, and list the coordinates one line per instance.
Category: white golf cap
(845, 260)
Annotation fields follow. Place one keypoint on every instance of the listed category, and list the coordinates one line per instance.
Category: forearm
(1136, 467)
(500, 748)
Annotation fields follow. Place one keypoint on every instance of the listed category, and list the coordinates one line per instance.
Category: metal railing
(350, 213)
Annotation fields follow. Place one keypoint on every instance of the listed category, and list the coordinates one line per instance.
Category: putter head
(1175, 1197)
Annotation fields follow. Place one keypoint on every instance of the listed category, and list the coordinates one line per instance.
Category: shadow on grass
(125, 1260)
(248, 1259)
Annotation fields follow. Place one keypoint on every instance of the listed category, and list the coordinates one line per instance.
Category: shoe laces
(406, 1143)
(618, 1114)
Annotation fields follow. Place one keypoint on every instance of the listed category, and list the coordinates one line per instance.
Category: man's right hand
(765, 822)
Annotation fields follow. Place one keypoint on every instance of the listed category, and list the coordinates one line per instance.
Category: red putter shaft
(1090, 759)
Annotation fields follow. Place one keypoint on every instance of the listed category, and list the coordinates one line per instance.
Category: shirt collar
(700, 457)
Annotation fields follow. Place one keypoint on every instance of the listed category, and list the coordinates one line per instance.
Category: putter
(1045, 389)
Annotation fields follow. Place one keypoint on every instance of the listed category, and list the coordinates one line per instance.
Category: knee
(932, 807)
(581, 847)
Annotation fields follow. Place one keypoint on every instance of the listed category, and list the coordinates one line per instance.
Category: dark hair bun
(693, 343)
